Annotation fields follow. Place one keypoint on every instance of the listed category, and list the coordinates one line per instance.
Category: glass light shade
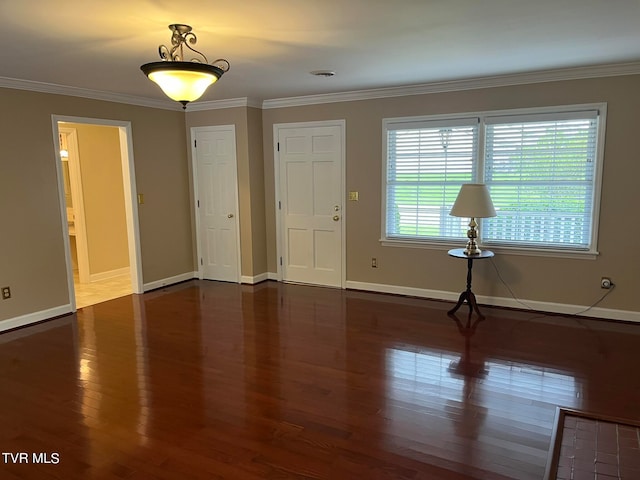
(182, 81)
(182, 86)
(473, 201)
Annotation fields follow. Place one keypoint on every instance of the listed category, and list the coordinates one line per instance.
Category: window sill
(502, 250)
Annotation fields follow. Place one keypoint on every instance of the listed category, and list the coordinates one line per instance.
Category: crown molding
(219, 104)
(55, 89)
(576, 73)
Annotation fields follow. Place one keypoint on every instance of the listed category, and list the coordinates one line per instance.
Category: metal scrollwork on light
(222, 64)
(181, 37)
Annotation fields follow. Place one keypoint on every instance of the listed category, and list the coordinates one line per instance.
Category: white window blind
(427, 162)
(541, 172)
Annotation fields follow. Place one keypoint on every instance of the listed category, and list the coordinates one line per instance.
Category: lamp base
(472, 249)
(472, 234)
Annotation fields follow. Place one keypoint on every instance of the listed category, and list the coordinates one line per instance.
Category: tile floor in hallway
(101, 290)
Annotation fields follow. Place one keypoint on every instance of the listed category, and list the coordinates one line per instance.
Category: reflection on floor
(101, 290)
(207, 379)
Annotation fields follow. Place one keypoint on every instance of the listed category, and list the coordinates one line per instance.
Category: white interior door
(310, 165)
(216, 181)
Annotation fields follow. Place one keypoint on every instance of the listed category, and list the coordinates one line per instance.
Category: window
(541, 167)
(427, 163)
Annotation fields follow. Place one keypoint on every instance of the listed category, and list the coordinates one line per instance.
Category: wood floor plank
(223, 381)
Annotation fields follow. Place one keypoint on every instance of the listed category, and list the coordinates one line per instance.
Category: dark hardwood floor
(207, 380)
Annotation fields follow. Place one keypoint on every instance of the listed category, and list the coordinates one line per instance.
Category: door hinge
(279, 205)
(278, 146)
(195, 144)
(198, 203)
(201, 262)
(280, 261)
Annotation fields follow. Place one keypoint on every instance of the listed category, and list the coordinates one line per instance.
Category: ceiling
(273, 45)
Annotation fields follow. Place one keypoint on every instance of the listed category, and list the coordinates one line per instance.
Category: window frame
(396, 123)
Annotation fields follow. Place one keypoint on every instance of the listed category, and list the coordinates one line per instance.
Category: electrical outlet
(6, 293)
(606, 283)
(374, 262)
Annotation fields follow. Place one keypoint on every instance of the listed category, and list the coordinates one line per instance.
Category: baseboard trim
(565, 309)
(246, 279)
(96, 277)
(34, 317)
(260, 278)
(549, 307)
(169, 281)
(252, 280)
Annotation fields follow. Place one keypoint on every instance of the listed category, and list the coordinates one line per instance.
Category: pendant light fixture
(183, 81)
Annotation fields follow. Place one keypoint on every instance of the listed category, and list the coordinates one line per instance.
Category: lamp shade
(473, 201)
(182, 81)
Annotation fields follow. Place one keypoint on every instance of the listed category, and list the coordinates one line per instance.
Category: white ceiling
(273, 45)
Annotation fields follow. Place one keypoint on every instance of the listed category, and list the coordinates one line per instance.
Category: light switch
(353, 196)
(140, 198)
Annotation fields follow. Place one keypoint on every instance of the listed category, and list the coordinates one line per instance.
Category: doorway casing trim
(341, 123)
(75, 174)
(130, 197)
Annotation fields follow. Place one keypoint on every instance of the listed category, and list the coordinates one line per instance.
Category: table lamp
(474, 202)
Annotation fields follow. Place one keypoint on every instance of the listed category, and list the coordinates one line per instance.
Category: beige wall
(248, 128)
(543, 279)
(257, 184)
(32, 260)
(103, 196)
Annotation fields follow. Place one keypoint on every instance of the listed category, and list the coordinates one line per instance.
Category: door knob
(230, 215)
(336, 218)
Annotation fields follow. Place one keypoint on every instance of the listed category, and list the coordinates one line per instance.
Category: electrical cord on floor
(606, 294)
(529, 307)
(597, 302)
(602, 349)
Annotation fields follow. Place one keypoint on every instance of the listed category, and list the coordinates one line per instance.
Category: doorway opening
(97, 188)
